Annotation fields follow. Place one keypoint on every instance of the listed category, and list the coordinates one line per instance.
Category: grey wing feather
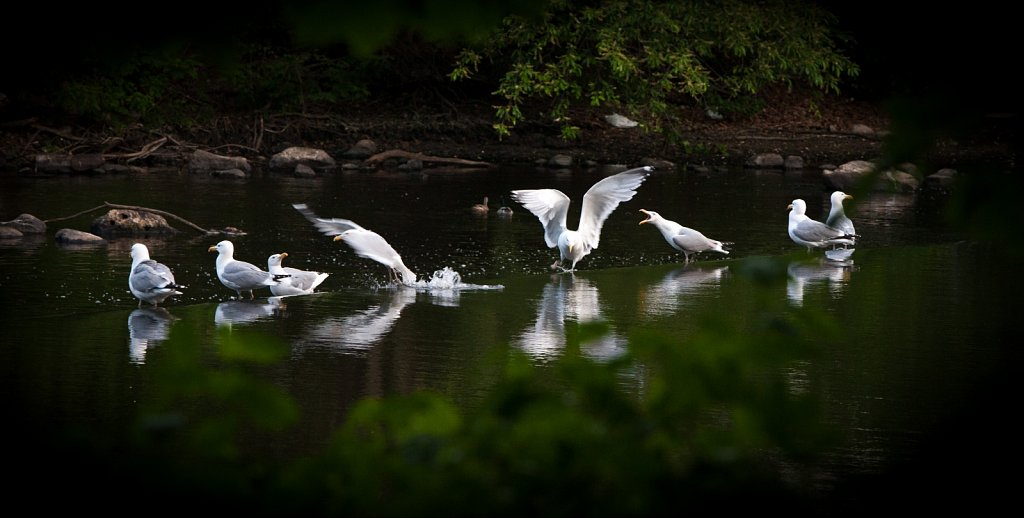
(247, 275)
(303, 279)
(816, 231)
(149, 275)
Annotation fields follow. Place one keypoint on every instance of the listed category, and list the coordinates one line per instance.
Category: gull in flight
(365, 243)
(805, 231)
(297, 282)
(240, 275)
(149, 280)
(685, 239)
(551, 207)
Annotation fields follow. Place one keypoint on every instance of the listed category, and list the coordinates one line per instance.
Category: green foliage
(147, 87)
(651, 56)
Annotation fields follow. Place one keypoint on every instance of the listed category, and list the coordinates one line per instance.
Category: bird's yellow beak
(212, 249)
(848, 197)
(790, 206)
(648, 216)
(337, 238)
(283, 255)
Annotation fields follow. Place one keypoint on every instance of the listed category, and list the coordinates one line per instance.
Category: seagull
(807, 232)
(365, 243)
(149, 280)
(240, 275)
(551, 207)
(685, 239)
(299, 282)
(837, 218)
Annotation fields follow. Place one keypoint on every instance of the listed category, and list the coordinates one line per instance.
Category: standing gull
(685, 239)
(807, 232)
(551, 207)
(299, 282)
(365, 243)
(149, 280)
(240, 275)
(837, 218)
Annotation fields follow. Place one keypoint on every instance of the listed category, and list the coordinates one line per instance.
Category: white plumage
(837, 218)
(149, 280)
(685, 239)
(365, 243)
(551, 207)
(299, 282)
(805, 231)
(240, 275)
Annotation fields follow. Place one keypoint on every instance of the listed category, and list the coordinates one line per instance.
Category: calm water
(922, 310)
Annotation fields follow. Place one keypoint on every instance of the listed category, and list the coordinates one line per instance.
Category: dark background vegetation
(935, 72)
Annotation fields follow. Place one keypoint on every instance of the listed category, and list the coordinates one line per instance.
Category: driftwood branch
(145, 151)
(108, 205)
(398, 153)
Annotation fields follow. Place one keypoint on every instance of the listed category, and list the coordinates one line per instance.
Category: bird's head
(651, 216)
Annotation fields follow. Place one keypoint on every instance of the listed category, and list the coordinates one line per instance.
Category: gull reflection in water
(232, 312)
(568, 298)
(666, 297)
(362, 330)
(833, 270)
(147, 327)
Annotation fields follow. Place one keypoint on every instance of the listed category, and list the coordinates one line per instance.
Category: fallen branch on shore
(108, 205)
(398, 153)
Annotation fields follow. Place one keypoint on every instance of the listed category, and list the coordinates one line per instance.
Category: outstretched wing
(550, 206)
(330, 227)
(369, 244)
(605, 195)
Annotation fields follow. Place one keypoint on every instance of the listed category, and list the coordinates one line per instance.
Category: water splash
(449, 279)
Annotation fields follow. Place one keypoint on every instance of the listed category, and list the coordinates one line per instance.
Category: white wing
(601, 199)
(550, 206)
(369, 244)
(331, 227)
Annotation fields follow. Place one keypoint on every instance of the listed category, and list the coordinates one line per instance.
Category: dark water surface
(923, 312)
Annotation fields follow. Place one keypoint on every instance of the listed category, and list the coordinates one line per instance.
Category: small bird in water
(504, 210)
(149, 280)
(482, 208)
(685, 239)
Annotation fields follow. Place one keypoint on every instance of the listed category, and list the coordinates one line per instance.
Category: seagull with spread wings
(551, 207)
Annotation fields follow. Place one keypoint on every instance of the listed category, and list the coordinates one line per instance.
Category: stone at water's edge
(131, 222)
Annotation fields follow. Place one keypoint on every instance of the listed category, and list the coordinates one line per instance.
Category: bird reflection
(665, 297)
(833, 271)
(568, 298)
(231, 312)
(362, 330)
(147, 327)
